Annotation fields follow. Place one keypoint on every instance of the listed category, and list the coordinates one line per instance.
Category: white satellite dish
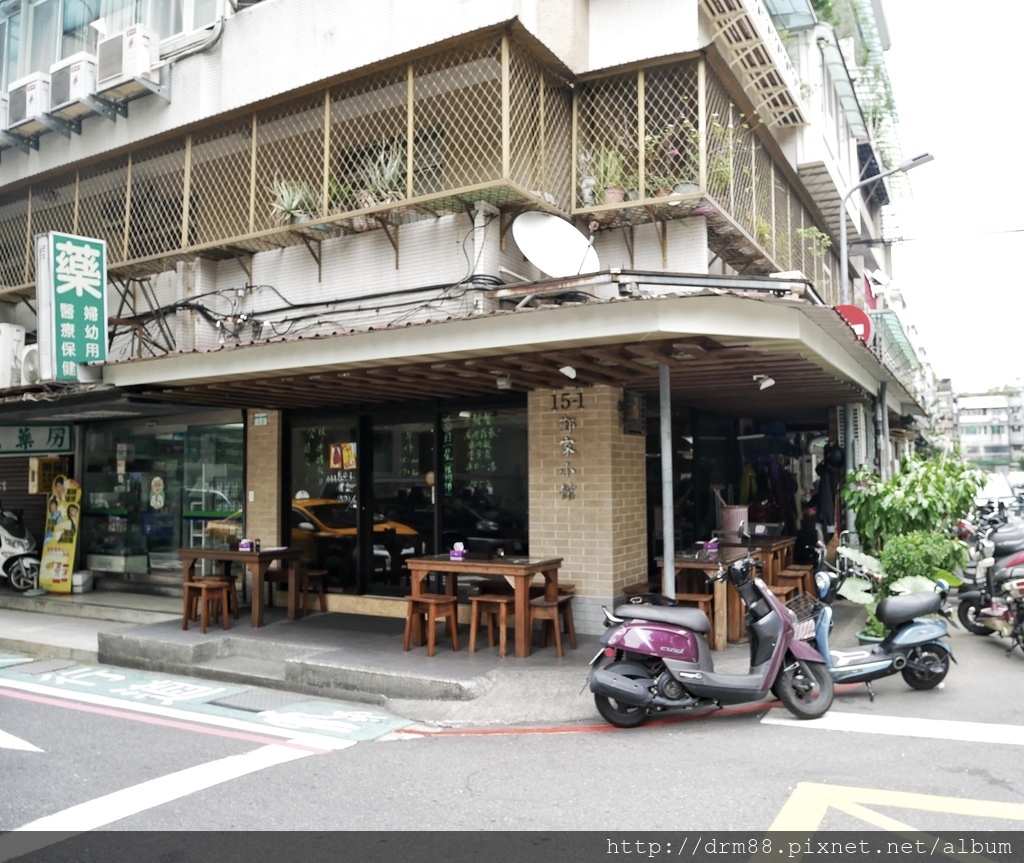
(553, 245)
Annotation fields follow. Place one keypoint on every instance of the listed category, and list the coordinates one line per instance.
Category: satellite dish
(553, 245)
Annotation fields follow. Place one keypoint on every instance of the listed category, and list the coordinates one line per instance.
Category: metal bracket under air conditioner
(19, 142)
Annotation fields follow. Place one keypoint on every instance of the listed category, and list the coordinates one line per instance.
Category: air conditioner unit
(125, 59)
(860, 431)
(28, 100)
(12, 341)
(30, 374)
(72, 80)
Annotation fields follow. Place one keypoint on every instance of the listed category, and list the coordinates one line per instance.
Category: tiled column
(263, 477)
(588, 498)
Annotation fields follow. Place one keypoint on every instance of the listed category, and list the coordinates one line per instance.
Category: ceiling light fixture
(764, 381)
(568, 371)
(504, 382)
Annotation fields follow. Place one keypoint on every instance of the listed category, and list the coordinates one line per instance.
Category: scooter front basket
(807, 610)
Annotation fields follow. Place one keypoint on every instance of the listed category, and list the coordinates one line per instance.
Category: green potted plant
(908, 563)
(381, 176)
(610, 176)
(294, 201)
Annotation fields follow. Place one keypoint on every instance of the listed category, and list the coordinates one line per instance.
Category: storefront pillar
(588, 495)
(264, 477)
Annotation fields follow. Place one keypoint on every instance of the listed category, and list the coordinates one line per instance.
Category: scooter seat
(894, 610)
(1005, 546)
(677, 615)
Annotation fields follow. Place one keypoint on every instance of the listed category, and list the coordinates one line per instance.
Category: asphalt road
(113, 750)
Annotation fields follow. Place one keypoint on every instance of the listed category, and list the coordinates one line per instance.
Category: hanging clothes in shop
(826, 498)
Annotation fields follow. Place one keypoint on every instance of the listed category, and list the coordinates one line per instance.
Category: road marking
(9, 741)
(61, 698)
(94, 814)
(810, 801)
(903, 726)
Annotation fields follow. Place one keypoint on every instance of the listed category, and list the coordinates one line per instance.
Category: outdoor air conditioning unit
(12, 341)
(126, 59)
(30, 374)
(860, 431)
(72, 80)
(28, 100)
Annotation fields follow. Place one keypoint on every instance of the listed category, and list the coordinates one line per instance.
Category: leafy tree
(923, 494)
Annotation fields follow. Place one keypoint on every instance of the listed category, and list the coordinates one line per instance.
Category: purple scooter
(661, 660)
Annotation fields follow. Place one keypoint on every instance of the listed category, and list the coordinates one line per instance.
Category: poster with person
(61, 535)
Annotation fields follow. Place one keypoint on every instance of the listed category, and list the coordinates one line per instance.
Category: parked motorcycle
(1006, 547)
(19, 559)
(911, 645)
(996, 602)
(661, 660)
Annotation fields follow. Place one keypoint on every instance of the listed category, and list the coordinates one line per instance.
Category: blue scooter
(911, 645)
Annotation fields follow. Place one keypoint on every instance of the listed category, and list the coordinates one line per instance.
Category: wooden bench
(703, 601)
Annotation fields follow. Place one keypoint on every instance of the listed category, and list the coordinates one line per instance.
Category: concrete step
(243, 669)
(122, 608)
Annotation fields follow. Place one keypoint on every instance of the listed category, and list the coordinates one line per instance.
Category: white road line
(903, 726)
(9, 741)
(102, 811)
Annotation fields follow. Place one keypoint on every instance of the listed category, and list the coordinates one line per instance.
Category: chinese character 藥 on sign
(77, 270)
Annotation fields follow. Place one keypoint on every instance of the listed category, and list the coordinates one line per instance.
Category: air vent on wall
(28, 100)
(72, 80)
(125, 61)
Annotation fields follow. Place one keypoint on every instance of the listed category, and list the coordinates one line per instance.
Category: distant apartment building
(991, 429)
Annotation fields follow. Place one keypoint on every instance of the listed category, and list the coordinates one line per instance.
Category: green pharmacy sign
(72, 290)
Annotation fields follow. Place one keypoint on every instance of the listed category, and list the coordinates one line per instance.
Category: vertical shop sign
(71, 274)
(567, 442)
(61, 537)
(447, 457)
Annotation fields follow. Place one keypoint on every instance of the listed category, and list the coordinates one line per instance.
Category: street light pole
(844, 263)
(846, 298)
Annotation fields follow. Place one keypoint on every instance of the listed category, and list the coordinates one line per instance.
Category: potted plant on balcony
(610, 175)
(294, 201)
(381, 176)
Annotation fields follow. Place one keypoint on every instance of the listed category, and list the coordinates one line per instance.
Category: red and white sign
(858, 319)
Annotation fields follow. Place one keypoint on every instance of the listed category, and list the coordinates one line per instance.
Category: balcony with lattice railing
(485, 121)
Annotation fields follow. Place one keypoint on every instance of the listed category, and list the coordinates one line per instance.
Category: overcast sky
(955, 71)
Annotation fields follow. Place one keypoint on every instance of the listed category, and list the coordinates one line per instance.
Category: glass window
(43, 34)
(164, 16)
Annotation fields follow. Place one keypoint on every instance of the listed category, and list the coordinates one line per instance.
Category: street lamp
(844, 263)
(846, 299)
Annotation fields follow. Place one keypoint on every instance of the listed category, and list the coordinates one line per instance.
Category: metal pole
(668, 527)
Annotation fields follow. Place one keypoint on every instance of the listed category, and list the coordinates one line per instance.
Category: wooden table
(517, 571)
(257, 564)
(698, 568)
(775, 552)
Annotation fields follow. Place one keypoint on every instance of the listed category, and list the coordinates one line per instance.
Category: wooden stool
(703, 601)
(783, 592)
(434, 607)
(204, 594)
(496, 607)
(313, 578)
(553, 613)
(565, 588)
(801, 575)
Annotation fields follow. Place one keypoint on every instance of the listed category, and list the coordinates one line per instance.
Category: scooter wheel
(967, 613)
(24, 574)
(619, 713)
(806, 689)
(926, 667)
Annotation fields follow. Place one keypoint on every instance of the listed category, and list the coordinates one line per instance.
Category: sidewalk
(343, 656)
